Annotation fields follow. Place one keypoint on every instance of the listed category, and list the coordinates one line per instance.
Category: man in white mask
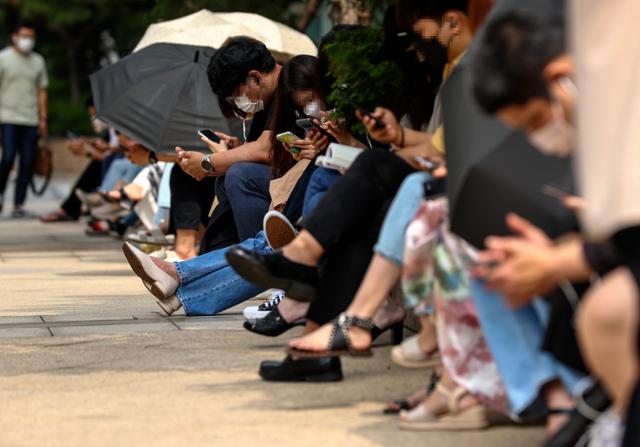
(244, 75)
(23, 110)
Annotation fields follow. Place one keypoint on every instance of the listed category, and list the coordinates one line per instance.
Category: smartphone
(378, 123)
(307, 124)
(366, 112)
(556, 191)
(287, 137)
(209, 135)
(426, 164)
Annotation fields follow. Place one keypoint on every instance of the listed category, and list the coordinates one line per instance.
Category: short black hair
(409, 11)
(230, 65)
(89, 102)
(24, 24)
(508, 67)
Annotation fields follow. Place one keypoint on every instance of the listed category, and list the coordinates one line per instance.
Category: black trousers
(355, 200)
(346, 222)
(343, 268)
(191, 200)
(89, 181)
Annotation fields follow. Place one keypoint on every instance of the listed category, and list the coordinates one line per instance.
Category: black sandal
(340, 342)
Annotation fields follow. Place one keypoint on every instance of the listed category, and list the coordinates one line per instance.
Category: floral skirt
(435, 276)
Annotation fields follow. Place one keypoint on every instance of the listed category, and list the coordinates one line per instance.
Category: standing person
(23, 110)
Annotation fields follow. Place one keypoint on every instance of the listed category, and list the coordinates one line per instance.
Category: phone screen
(287, 137)
(208, 134)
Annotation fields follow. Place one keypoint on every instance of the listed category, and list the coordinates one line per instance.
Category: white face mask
(244, 104)
(99, 126)
(556, 137)
(313, 109)
(25, 44)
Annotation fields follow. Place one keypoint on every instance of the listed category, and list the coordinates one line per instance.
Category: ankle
(292, 310)
(304, 249)
(168, 267)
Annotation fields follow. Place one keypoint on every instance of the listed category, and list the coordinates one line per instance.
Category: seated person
(101, 151)
(206, 285)
(243, 75)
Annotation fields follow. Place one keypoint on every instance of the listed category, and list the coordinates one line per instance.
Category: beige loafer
(159, 283)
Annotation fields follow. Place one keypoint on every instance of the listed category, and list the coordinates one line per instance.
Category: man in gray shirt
(23, 110)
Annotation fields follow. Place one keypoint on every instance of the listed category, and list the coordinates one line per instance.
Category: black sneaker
(275, 271)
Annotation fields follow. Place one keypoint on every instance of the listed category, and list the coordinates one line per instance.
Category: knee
(236, 175)
(611, 306)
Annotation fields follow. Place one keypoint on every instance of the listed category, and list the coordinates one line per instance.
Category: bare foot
(168, 267)
(292, 310)
(319, 340)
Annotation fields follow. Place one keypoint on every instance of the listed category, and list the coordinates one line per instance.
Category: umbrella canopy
(160, 96)
(205, 28)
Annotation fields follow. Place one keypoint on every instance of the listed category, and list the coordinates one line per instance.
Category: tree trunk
(349, 12)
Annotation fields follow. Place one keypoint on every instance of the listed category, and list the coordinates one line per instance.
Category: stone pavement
(86, 359)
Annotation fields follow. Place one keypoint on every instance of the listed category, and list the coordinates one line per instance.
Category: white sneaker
(252, 313)
(606, 431)
(278, 230)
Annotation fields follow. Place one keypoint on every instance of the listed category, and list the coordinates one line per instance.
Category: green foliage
(359, 80)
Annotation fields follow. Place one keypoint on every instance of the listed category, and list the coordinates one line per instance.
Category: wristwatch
(206, 164)
(153, 158)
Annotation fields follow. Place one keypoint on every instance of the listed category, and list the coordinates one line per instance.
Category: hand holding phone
(209, 135)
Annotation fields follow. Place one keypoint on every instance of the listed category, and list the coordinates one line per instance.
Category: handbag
(43, 167)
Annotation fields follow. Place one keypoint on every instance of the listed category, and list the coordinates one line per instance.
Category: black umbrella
(160, 96)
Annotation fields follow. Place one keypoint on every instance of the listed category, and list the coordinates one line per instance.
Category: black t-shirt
(261, 121)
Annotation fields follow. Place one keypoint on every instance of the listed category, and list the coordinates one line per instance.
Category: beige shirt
(20, 78)
(604, 34)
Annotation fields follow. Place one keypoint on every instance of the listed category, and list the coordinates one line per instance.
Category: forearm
(414, 138)
(254, 152)
(570, 262)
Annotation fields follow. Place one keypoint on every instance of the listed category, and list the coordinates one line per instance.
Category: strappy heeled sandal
(472, 418)
(340, 341)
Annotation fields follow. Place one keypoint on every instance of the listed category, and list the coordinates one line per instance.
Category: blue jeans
(514, 338)
(320, 181)
(401, 212)
(23, 140)
(208, 285)
(120, 169)
(247, 189)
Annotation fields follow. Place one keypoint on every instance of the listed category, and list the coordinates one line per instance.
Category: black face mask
(433, 51)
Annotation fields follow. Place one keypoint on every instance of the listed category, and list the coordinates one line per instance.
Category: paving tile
(213, 323)
(21, 319)
(83, 317)
(24, 332)
(162, 326)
